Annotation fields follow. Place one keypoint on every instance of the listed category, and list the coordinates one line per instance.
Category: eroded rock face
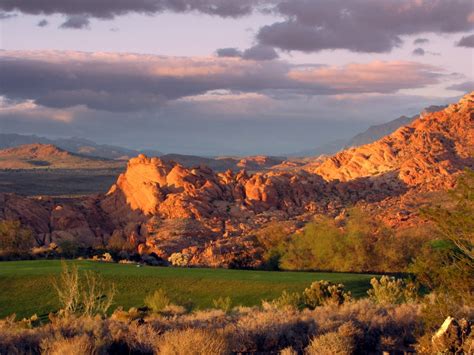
(171, 191)
(426, 153)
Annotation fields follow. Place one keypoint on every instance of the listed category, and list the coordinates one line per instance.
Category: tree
(445, 265)
(14, 238)
(457, 224)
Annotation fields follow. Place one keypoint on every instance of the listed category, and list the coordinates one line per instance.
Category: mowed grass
(26, 286)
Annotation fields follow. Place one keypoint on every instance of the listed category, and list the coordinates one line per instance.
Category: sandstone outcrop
(426, 153)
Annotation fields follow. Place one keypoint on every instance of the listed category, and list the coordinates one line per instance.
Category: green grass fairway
(25, 286)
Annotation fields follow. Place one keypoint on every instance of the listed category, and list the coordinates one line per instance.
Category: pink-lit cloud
(123, 82)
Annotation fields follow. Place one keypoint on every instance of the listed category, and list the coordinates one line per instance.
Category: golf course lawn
(26, 286)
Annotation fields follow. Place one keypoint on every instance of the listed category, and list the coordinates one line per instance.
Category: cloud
(421, 41)
(362, 25)
(30, 111)
(419, 51)
(466, 86)
(260, 52)
(6, 16)
(76, 22)
(378, 76)
(110, 9)
(43, 23)
(466, 41)
(121, 82)
(257, 52)
(229, 52)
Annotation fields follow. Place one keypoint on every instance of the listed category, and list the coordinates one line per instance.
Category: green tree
(445, 265)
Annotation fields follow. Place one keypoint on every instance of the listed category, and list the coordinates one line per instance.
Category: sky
(224, 77)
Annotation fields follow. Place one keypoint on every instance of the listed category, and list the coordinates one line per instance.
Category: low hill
(75, 145)
(41, 156)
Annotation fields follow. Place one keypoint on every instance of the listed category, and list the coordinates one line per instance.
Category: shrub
(87, 293)
(389, 290)
(157, 301)
(341, 342)
(179, 259)
(287, 300)
(323, 292)
(77, 345)
(193, 341)
(224, 304)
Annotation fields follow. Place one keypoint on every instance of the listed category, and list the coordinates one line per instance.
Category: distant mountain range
(85, 147)
(75, 145)
(372, 134)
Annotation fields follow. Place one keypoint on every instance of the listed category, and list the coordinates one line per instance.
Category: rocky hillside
(35, 156)
(220, 164)
(162, 207)
(376, 132)
(426, 153)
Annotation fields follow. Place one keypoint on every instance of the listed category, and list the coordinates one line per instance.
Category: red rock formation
(426, 153)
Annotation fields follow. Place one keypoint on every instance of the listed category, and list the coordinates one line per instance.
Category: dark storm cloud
(466, 86)
(76, 22)
(112, 8)
(362, 25)
(466, 41)
(419, 51)
(43, 23)
(229, 52)
(260, 52)
(421, 41)
(122, 82)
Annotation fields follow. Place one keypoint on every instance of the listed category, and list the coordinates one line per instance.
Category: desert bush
(270, 330)
(78, 345)
(69, 248)
(193, 342)
(344, 341)
(83, 293)
(245, 330)
(223, 303)
(288, 351)
(179, 259)
(390, 290)
(287, 300)
(324, 292)
(157, 301)
(400, 323)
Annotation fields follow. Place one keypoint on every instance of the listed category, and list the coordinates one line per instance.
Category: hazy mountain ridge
(73, 145)
(370, 135)
(376, 132)
(37, 156)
